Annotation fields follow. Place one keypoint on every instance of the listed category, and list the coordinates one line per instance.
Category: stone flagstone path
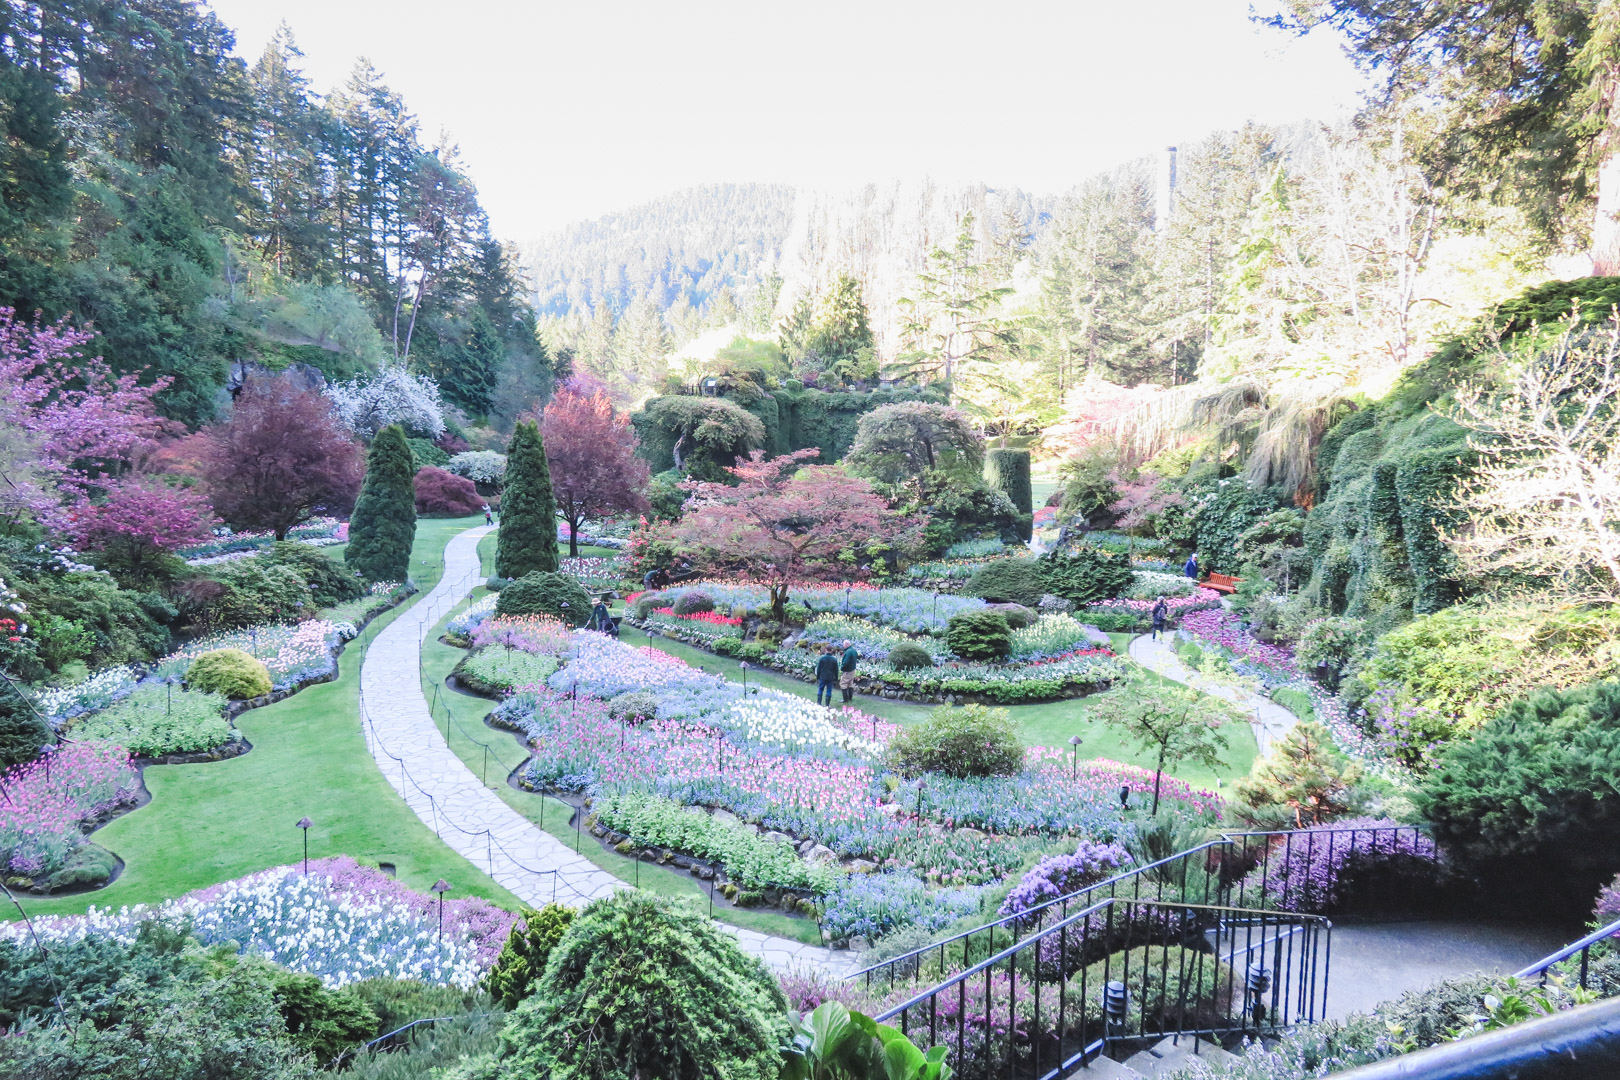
(472, 819)
(1270, 721)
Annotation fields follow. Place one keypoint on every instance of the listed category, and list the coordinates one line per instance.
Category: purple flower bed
(1271, 663)
(1316, 870)
(1061, 875)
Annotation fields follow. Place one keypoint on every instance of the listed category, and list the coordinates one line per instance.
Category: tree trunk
(573, 538)
(1158, 776)
(779, 603)
(1606, 218)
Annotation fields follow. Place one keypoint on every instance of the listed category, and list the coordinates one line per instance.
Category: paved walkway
(1269, 720)
(472, 819)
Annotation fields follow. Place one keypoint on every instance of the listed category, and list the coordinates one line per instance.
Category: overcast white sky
(569, 110)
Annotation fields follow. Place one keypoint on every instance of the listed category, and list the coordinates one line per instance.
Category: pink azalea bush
(48, 803)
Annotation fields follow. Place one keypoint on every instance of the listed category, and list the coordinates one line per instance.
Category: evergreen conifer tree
(384, 522)
(22, 730)
(528, 536)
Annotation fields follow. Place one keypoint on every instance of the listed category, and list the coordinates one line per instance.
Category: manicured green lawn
(1049, 724)
(213, 822)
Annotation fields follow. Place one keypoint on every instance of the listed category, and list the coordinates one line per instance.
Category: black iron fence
(1385, 869)
(1120, 970)
(1579, 954)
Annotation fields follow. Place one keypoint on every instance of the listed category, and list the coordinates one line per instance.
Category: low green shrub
(1089, 574)
(542, 593)
(158, 720)
(1018, 616)
(693, 603)
(796, 614)
(1015, 581)
(909, 656)
(640, 985)
(523, 958)
(756, 651)
(648, 602)
(230, 672)
(979, 635)
(634, 706)
(1116, 622)
(329, 581)
(256, 591)
(960, 741)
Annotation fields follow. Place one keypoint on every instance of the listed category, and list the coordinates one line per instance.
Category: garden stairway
(451, 800)
(1160, 1059)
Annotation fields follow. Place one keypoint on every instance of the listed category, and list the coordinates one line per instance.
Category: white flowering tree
(479, 466)
(392, 396)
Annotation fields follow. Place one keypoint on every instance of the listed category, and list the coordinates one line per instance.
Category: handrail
(1133, 876)
(1583, 946)
(1582, 1043)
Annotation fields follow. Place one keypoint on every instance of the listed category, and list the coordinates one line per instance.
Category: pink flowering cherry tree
(140, 519)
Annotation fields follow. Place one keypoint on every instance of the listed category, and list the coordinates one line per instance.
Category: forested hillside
(200, 211)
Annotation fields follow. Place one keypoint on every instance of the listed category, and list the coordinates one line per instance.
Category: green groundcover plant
(159, 719)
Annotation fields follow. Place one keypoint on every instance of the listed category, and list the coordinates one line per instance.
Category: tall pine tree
(528, 536)
(384, 522)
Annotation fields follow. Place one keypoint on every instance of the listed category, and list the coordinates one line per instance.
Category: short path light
(441, 887)
(1116, 1001)
(1075, 741)
(1257, 983)
(304, 825)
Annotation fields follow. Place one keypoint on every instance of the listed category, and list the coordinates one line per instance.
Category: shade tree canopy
(900, 443)
(591, 451)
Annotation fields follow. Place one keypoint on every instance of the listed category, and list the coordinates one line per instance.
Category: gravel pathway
(1269, 720)
(472, 819)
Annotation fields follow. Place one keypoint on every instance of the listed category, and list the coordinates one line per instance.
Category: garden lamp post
(1074, 772)
(936, 605)
(441, 887)
(45, 755)
(744, 666)
(304, 825)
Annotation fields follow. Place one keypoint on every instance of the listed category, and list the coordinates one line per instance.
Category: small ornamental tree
(902, 443)
(384, 522)
(23, 731)
(139, 521)
(782, 523)
(392, 396)
(591, 450)
(444, 494)
(281, 459)
(1174, 723)
(527, 542)
(1305, 775)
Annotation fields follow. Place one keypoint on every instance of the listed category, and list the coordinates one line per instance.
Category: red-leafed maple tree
(787, 522)
(138, 519)
(280, 459)
(591, 449)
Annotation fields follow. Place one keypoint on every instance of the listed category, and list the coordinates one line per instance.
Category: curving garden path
(403, 738)
(1271, 722)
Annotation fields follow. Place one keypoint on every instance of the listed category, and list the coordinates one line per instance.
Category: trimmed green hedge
(1007, 470)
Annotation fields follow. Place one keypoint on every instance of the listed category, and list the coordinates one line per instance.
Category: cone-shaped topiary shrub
(383, 525)
(230, 672)
(528, 536)
(22, 730)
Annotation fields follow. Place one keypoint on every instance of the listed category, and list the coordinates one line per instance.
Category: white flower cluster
(62, 561)
(11, 602)
(97, 692)
(791, 722)
(392, 396)
(294, 921)
(479, 466)
(473, 616)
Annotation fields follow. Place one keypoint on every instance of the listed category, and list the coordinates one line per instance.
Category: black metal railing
(1582, 948)
(1116, 972)
(1320, 870)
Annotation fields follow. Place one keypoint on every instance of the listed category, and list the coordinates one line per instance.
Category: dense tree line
(200, 210)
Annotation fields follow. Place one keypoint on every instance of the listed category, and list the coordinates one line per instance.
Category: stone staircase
(1160, 1059)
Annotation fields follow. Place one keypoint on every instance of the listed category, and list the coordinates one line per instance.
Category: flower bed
(1179, 606)
(48, 804)
(537, 635)
(294, 653)
(595, 573)
(1079, 671)
(704, 628)
(158, 719)
(914, 611)
(872, 641)
(321, 531)
(343, 922)
(1056, 635)
(494, 671)
(100, 690)
(468, 619)
(1271, 665)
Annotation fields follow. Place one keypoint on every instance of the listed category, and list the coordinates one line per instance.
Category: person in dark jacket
(1161, 612)
(649, 580)
(1192, 566)
(826, 675)
(846, 671)
(601, 618)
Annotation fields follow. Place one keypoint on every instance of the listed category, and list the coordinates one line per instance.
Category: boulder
(820, 855)
(862, 866)
(726, 817)
(969, 834)
(807, 847)
(778, 837)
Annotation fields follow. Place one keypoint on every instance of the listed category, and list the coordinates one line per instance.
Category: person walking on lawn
(1161, 611)
(826, 675)
(846, 671)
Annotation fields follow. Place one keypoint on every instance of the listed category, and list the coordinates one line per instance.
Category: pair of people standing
(832, 668)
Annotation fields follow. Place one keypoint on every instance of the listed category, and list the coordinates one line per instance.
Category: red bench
(1221, 583)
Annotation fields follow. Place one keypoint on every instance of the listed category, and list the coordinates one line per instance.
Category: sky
(566, 111)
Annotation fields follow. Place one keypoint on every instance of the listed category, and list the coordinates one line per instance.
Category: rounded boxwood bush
(693, 603)
(1089, 574)
(640, 985)
(908, 656)
(1015, 581)
(979, 635)
(648, 602)
(231, 672)
(971, 740)
(542, 593)
(1017, 615)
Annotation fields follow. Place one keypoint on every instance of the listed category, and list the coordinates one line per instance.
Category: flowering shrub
(343, 922)
(479, 466)
(1151, 584)
(538, 635)
(47, 803)
(873, 905)
(1608, 905)
(1316, 869)
(1061, 875)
